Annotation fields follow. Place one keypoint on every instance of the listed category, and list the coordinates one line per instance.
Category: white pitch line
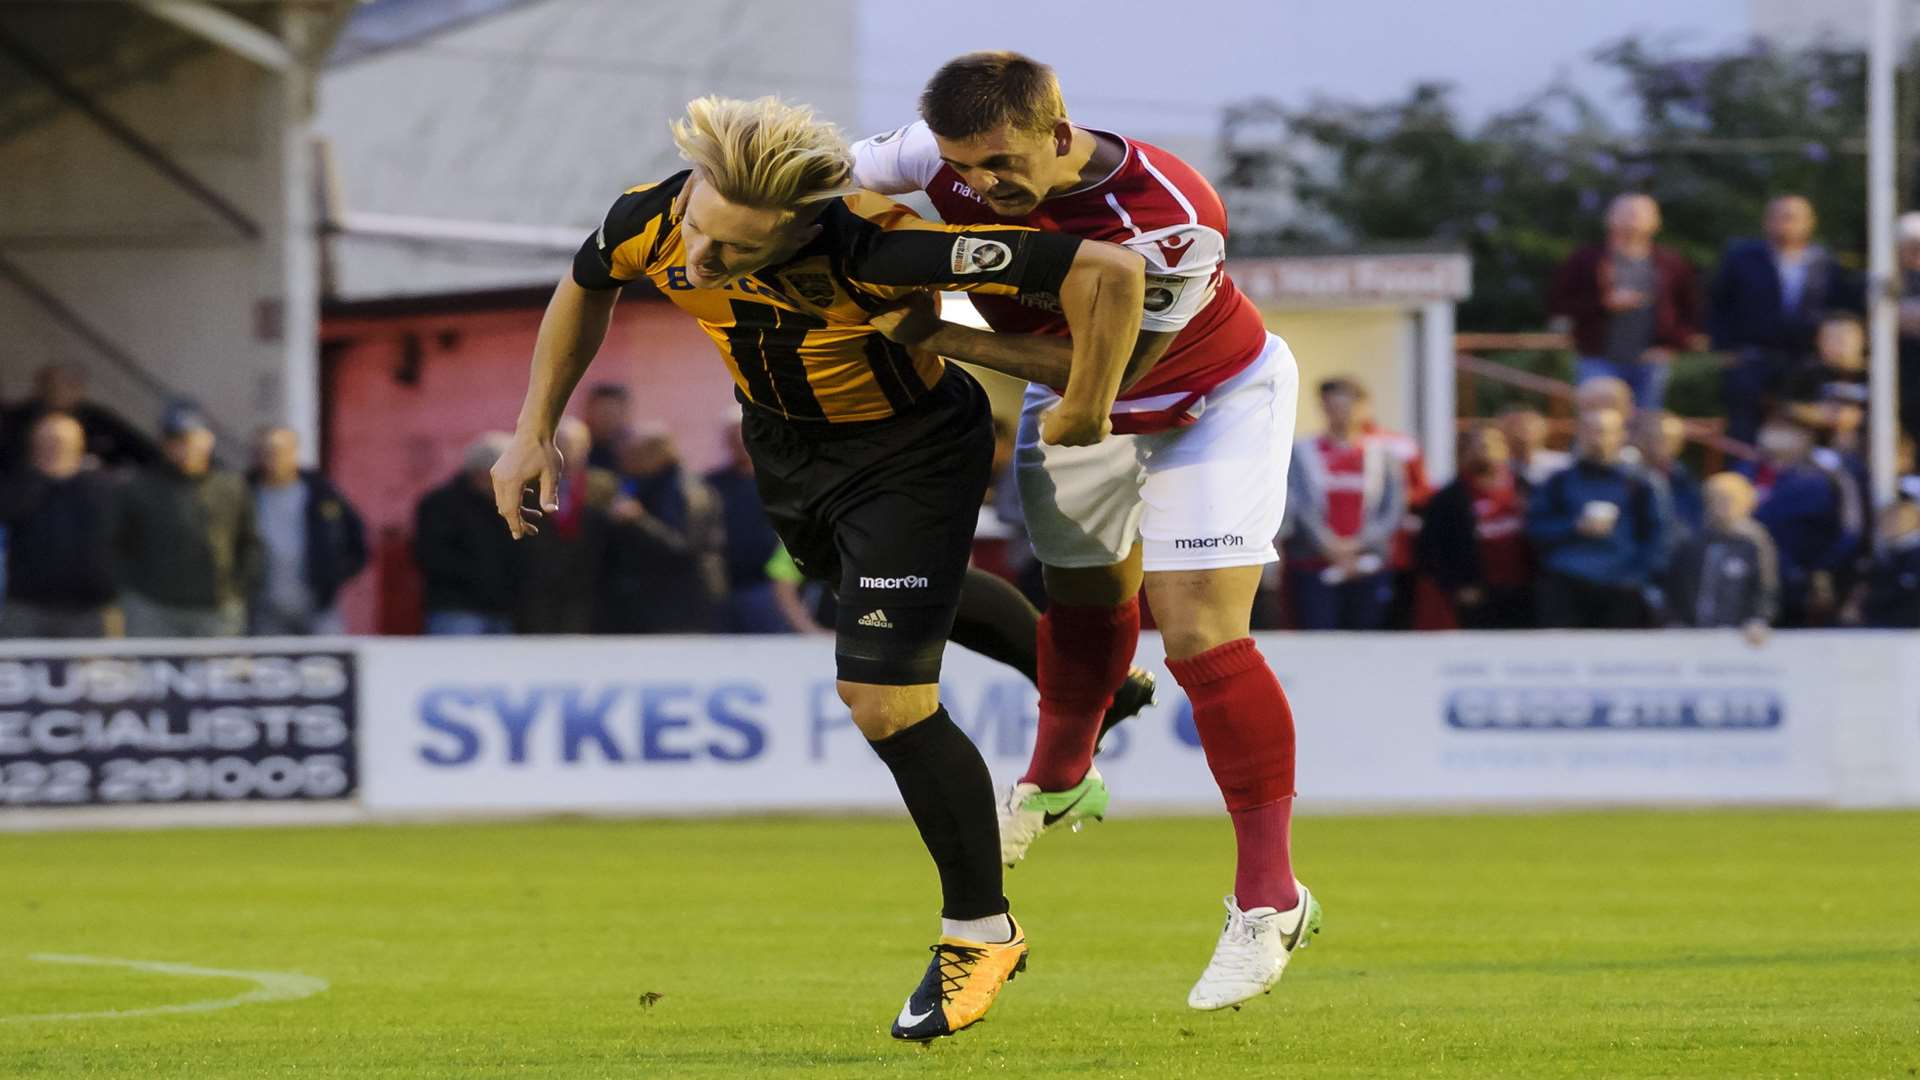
(268, 986)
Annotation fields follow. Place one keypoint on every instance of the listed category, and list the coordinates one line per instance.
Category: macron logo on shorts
(1229, 540)
(911, 581)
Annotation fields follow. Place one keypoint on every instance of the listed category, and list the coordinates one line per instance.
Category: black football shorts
(884, 512)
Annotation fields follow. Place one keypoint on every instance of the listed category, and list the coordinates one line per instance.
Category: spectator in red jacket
(1474, 539)
(1632, 303)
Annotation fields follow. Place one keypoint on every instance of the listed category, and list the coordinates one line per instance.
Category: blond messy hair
(765, 153)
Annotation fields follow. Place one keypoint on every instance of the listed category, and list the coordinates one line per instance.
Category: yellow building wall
(1372, 345)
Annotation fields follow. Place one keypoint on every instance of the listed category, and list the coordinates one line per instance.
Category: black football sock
(996, 620)
(949, 792)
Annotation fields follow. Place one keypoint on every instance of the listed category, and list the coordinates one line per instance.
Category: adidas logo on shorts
(877, 619)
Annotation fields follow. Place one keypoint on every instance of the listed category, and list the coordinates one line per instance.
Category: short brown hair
(982, 91)
(1344, 384)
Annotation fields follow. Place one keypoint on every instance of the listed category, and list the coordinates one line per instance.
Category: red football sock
(1085, 654)
(1263, 872)
(1246, 729)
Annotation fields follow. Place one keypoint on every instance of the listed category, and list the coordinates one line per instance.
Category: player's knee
(1092, 586)
(880, 711)
(1189, 629)
(1201, 610)
(1186, 642)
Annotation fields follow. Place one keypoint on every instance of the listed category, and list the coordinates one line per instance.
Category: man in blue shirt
(1600, 534)
(1814, 511)
(1659, 437)
(1765, 303)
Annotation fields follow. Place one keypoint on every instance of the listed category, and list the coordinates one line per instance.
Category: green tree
(1712, 138)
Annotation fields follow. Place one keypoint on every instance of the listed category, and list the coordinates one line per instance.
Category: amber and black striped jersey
(795, 336)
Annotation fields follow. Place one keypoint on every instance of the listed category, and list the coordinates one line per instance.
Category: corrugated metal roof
(542, 113)
(379, 25)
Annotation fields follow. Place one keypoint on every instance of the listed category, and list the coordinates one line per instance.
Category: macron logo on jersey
(1173, 249)
(910, 581)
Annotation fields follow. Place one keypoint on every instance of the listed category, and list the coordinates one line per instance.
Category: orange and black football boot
(960, 985)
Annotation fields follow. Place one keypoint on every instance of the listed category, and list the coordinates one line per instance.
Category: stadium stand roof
(474, 141)
(156, 230)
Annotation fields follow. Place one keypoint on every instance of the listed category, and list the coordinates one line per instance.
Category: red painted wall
(405, 394)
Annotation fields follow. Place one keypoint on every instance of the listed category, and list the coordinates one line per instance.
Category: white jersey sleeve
(902, 160)
(1183, 270)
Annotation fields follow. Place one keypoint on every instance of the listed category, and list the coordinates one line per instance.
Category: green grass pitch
(1671, 944)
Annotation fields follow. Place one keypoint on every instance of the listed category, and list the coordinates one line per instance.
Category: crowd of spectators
(639, 544)
(108, 532)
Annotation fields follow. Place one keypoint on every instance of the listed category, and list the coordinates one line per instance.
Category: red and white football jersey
(1152, 203)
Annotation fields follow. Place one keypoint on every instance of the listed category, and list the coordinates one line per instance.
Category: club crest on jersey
(813, 286)
(1162, 292)
(971, 256)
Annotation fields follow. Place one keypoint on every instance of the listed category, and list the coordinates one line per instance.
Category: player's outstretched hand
(529, 460)
(1060, 427)
(913, 322)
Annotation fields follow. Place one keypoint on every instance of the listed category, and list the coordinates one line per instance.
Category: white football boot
(1253, 952)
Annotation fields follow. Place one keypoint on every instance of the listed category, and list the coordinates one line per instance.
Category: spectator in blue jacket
(311, 537)
(1908, 383)
(1814, 512)
(1658, 438)
(1765, 303)
(1889, 598)
(1598, 529)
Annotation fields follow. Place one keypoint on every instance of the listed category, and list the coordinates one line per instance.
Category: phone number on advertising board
(168, 779)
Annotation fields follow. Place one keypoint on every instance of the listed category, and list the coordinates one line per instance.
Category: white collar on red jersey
(1126, 158)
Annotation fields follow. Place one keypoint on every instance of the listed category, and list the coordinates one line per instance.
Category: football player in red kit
(1186, 496)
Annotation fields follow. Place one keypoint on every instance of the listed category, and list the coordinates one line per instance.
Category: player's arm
(1100, 287)
(1039, 358)
(898, 161)
(1183, 266)
(571, 332)
(1101, 299)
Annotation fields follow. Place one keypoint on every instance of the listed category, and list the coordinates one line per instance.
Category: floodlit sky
(1164, 66)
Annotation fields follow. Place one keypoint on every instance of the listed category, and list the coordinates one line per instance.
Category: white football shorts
(1211, 494)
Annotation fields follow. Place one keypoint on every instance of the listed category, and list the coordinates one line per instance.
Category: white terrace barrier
(686, 725)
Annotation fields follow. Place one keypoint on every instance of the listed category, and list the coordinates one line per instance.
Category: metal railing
(1708, 433)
